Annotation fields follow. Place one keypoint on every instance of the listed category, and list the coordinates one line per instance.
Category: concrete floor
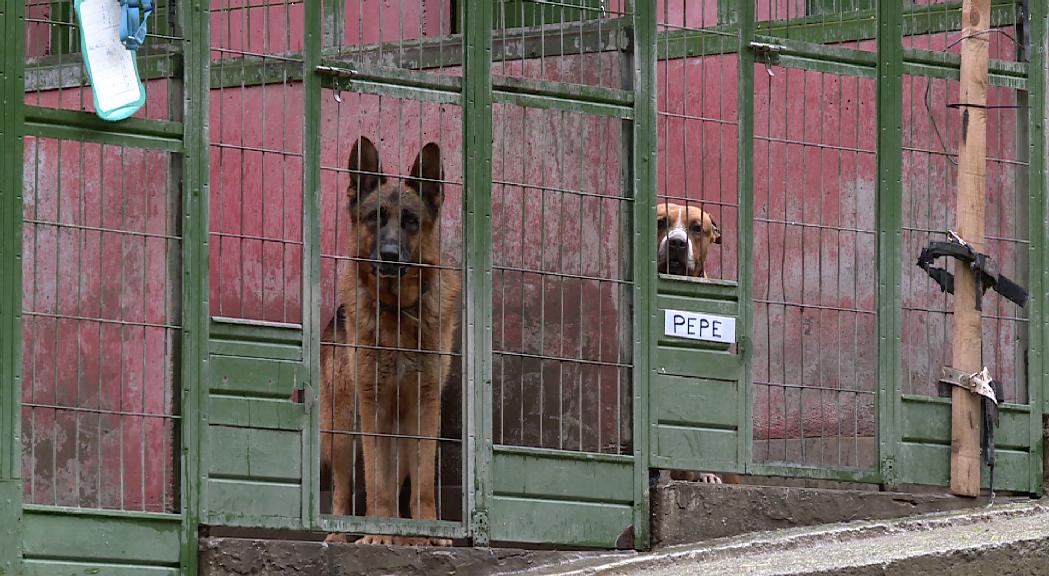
(1001, 539)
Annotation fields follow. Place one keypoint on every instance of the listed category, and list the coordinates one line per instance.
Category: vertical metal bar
(623, 216)
(12, 94)
(1038, 89)
(311, 290)
(195, 278)
(745, 225)
(644, 162)
(477, 140)
(173, 305)
(889, 223)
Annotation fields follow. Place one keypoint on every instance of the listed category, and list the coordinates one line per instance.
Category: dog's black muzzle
(677, 257)
(388, 263)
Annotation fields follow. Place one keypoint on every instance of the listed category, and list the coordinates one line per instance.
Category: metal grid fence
(101, 327)
(697, 131)
(931, 129)
(256, 149)
(400, 127)
(561, 281)
(814, 267)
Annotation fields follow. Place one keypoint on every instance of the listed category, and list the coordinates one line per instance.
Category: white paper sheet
(113, 75)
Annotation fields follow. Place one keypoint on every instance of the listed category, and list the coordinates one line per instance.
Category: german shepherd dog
(685, 234)
(396, 322)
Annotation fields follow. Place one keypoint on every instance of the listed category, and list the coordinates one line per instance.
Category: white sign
(695, 326)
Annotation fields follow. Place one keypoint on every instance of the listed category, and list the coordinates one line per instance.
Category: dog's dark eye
(662, 222)
(697, 228)
(377, 216)
(410, 222)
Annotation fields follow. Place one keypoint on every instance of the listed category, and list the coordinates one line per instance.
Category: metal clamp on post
(982, 265)
(977, 382)
(990, 391)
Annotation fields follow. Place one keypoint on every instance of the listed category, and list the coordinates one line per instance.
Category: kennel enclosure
(167, 280)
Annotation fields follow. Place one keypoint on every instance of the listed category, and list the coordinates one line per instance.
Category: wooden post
(972, 167)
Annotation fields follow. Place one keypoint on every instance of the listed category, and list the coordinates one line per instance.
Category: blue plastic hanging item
(132, 30)
(110, 33)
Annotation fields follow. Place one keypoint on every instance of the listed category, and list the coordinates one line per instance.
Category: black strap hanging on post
(987, 275)
(990, 423)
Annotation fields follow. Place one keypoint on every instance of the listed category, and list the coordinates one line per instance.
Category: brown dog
(685, 234)
(398, 315)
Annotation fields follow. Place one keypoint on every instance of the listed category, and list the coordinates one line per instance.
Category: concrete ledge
(1005, 539)
(685, 512)
(258, 557)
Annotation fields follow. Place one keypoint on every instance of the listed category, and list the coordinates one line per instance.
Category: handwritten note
(112, 66)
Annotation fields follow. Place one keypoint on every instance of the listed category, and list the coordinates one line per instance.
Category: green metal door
(698, 399)
(1013, 337)
(570, 90)
(100, 313)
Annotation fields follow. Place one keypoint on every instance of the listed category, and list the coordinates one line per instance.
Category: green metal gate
(168, 281)
(845, 147)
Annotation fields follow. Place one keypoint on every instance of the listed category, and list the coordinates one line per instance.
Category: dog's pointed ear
(365, 171)
(715, 232)
(427, 177)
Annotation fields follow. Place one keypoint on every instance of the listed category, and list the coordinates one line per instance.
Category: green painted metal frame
(1038, 182)
(311, 313)
(889, 224)
(11, 111)
(745, 222)
(646, 169)
(196, 273)
(188, 142)
(477, 290)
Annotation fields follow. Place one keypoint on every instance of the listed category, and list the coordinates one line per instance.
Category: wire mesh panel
(936, 25)
(843, 23)
(697, 141)
(56, 76)
(391, 226)
(561, 374)
(931, 131)
(256, 113)
(571, 41)
(391, 267)
(815, 343)
(561, 367)
(407, 34)
(101, 327)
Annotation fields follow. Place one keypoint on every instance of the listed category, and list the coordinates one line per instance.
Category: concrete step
(1001, 539)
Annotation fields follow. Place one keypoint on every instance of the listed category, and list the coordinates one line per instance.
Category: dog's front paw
(708, 478)
(380, 540)
(383, 540)
(336, 538)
